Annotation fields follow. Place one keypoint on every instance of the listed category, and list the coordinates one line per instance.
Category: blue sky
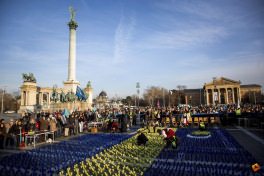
(121, 42)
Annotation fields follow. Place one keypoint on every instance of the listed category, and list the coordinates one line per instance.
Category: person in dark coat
(2, 133)
(123, 121)
(44, 124)
(71, 123)
(142, 139)
(11, 136)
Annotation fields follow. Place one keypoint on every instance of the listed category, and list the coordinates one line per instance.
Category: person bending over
(169, 136)
(142, 139)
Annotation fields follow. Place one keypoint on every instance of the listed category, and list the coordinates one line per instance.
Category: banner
(80, 94)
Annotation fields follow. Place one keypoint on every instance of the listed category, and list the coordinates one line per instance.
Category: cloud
(200, 9)
(123, 34)
(181, 39)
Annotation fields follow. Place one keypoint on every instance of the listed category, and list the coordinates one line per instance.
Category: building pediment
(223, 81)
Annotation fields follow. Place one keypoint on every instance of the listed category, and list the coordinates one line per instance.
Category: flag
(80, 94)
(158, 104)
(65, 114)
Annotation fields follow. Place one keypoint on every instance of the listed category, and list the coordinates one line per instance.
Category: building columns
(238, 96)
(40, 98)
(207, 97)
(233, 95)
(219, 96)
(227, 102)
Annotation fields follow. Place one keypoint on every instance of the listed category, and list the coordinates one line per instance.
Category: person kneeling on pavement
(169, 137)
(142, 139)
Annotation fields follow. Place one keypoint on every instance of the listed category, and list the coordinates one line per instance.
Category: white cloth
(81, 126)
(163, 133)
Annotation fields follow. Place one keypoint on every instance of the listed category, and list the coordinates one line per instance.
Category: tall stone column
(72, 83)
(72, 51)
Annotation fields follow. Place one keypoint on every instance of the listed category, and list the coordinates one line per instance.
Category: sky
(121, 42)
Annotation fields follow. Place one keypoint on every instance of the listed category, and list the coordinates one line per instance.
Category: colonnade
(222, 95)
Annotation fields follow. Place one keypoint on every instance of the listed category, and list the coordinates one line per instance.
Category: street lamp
(138, 86)
(215, 95)
(3, 94)
(170, 91)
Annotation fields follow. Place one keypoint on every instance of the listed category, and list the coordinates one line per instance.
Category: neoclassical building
(222, 91)
(227, 91)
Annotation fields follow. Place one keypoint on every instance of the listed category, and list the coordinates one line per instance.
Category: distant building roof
(250, 85)
(103, 94)
(192, 90)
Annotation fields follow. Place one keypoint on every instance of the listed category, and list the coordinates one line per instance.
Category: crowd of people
(113, 120)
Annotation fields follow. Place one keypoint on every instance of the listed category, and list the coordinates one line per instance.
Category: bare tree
(154, 94)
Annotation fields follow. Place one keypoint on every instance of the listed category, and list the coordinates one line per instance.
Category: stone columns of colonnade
(219, 92)
(238, 96)
(40, 98)
(48, 98)
(22, 98)
(207, 97)
(233, 95)
(226, 96)
(27, 99)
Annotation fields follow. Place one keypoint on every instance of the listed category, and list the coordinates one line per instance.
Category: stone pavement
(251, 140)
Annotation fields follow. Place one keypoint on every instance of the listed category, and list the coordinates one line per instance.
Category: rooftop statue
(29, 77)
(54, 96)
(72, 24)
(72, 13)
(89, 85)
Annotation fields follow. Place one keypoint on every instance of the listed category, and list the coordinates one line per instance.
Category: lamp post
(138, 86)
(3, 94)
(169, 97)
(200, 97)
(255, 98)
(214, 93)
(163, 96)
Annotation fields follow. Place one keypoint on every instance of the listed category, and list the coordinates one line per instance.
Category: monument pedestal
(71, 86)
